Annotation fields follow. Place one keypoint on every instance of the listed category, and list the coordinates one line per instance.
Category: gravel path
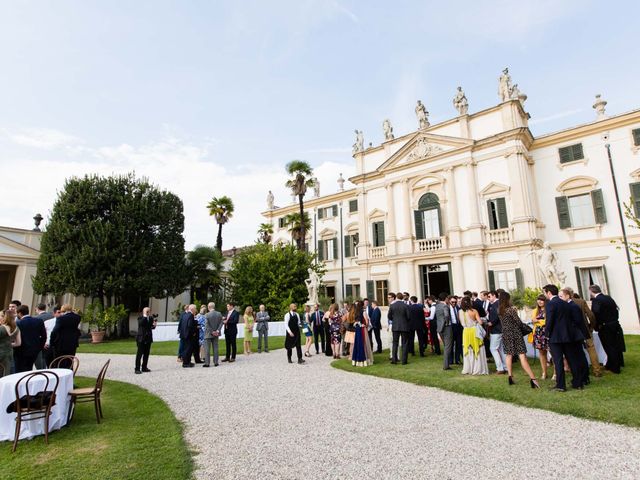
(263, 418)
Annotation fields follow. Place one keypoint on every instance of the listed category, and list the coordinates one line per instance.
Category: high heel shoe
(511, 382)
(534, 383)
(544, 376)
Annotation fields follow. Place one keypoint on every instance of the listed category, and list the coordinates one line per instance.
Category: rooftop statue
(388, 130)
(423, 115)
(460, 102)
(359, 145)
(270, 200)
(504, 86)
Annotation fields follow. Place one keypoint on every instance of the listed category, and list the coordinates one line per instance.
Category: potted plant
(101, 319)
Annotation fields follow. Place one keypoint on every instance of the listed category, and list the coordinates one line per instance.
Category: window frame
(571, 153)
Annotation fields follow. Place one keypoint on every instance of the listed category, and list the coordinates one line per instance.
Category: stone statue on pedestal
(423, 115)
(460, 102)
(548, 265)
(599, 107)
(313, 285)
(388, 130)
(270, 200)
(316, 187)
(516, 94)
(359, 145)
(504, 86)
(340, 183)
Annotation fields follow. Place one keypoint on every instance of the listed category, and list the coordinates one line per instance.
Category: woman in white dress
(475, 357)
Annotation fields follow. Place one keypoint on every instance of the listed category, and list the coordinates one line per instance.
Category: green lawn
(139, 438)
(128, 346)
(611, 398)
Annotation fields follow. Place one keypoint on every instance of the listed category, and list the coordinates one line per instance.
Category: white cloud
(555, 116)
(41, 138)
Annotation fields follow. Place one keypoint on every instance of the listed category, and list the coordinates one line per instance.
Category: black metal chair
(34, 405)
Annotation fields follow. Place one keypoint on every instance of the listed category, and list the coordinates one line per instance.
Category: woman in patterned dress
(512, 338)
(537, 337)
(335, 324)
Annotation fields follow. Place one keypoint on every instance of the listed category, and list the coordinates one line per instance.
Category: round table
(58, 418)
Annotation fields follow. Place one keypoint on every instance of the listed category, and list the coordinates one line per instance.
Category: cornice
(312, 203)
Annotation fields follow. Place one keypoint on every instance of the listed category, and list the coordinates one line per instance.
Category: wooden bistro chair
(34, 405)
(66, 361)
(89, 394)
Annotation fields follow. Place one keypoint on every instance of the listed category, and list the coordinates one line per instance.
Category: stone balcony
(501, 236)
(378, 252)
(430, 244)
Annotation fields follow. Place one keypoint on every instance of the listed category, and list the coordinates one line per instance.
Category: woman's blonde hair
(248, 310)
(66, 308)
(9, 319)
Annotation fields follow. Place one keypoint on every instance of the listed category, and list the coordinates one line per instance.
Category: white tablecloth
(58, 418)
(602, 356)
(168, 331)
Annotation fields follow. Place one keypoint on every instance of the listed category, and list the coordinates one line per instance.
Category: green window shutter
(335, 248)
(347, 246)
(320, 251)
(419, 220)
(490, 207)
(321, 213)
(502, 213)
(335, 210)
(371, 291)
(519, 280)
(381, 237)
(565, 154)
(636, 137)
(348, 290)
(579, 283)
(598, 206)
(635, 196)
(353, 206)
(564, 219)
(576, 151)
(492, 280)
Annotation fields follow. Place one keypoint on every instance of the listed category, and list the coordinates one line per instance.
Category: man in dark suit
(564, 339)
(416, 317)
(494, 326)
(65, 333)
(443, 324)
(181, 321)
(292, 321)
(456, 329)
(375, 318)
(400, 327)
(577, 323)
(144, 339)
(318, 328)
(33, 335)
(608, 328)
(231, 332)
(189, 336)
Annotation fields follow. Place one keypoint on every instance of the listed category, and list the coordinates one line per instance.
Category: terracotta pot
(97, 337)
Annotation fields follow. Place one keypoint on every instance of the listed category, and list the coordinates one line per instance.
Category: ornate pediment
(423, 149)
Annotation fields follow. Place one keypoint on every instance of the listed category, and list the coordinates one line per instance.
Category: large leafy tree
(221, 208)
(205, 267)
(273, 275)
(112, 238)
(296, 227)
(301, 178)
(265, 232)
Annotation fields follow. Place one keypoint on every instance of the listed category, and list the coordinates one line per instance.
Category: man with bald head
(189, 335)
(292, 322)
(144, 339)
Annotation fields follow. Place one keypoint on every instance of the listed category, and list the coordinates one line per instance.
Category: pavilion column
(453, 227)
(406, 238)
(391, 220)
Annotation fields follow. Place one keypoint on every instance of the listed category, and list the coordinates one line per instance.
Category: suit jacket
(478, 305)
(416, 316)
(212, 323)
(65, 333)
(443, 316)
(376, 318)
(399, 316)
(605, 310)
(578, 319)
(188, 326)
(45, 316)
(494, 318)
(33, 335)
(560, 323)
(231, 327)
(316, 318)
(145, 327)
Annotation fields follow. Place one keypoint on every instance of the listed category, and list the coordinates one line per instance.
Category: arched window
(427, 217)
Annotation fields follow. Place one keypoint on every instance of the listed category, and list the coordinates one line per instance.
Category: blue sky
(213, 98)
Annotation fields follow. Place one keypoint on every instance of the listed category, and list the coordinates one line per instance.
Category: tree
(273, 275)
(302, 175)
(297, 228)
(265, 231)
(222, 209)
(205, 266)
(111, 238)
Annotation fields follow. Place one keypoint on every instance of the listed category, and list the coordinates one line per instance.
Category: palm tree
(297, 228)
(302, 175)
(222, 209)
(265, 231)
(205, 267)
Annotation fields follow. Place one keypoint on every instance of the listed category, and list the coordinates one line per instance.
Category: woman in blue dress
(362, 355)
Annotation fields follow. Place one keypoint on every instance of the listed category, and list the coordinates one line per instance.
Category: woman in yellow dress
(475, 356)
(537, 337)
(248, 329)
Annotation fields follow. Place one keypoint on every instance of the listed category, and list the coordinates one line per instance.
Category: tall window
(378, 234)
(497, 210)
(328, 249)
(353, 206)
(587, 276)
(352, 290)
(506, 279)
(382, 289)
(328, 212)
(350, 244)
(571, 153)
(581, 210)
(635, 195)
(427, 217)
(282, 223)
(636, 136)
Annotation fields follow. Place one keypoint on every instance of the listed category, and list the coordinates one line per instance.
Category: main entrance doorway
(7, 277)
(436, 279)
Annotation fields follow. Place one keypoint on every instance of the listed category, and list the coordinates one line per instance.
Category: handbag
(525, 329)
(350, 337)
(480, 333)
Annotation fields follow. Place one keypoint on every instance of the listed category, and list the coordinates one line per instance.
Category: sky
(211, 98)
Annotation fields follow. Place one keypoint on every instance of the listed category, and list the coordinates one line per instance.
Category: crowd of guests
(36, 340)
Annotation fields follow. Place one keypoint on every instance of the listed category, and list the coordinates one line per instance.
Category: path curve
(263, 418)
